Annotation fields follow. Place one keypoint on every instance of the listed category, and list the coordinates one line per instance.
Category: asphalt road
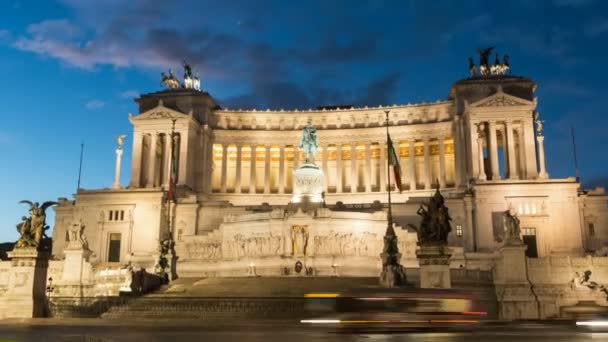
(144, 331)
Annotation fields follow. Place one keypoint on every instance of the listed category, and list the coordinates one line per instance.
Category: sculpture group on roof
(190, 81)
(487, 69)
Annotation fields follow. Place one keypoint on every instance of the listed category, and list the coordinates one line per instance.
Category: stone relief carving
(500, 101)
(299, 238)
(253, 246)
(366, 244)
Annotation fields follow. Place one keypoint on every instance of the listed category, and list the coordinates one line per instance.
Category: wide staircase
(268, 297)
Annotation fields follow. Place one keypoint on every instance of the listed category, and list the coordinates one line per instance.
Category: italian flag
(393, 160)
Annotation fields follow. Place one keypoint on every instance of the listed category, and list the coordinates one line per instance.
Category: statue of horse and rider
(309, 143)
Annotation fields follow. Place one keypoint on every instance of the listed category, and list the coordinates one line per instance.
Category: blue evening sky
(71, 68)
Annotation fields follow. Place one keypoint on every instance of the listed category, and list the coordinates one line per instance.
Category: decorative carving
(500, 101)
(76, 237)
(299, 238)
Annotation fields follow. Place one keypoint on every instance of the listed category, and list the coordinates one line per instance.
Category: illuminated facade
(483, 147)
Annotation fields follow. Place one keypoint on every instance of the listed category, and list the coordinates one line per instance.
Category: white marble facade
(481, 146)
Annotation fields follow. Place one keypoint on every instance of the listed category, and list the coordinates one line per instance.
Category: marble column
(136, 161)
(224, 168)
(353, 167)
(459, 159)
(338, 168)
(116, 184)
(168, 147)
(511, 150)
(480, 138)
(267, 170)
(542, 174)
(237, 181)
(412, 153)
(324, 166)
(296, 157)
(183, 157)
(252, 169)
(427, 165)
(151, 160)
(281, 169)
(493, 150)
(441, 142)
(521, 151)
(382, 168)
(368, 168)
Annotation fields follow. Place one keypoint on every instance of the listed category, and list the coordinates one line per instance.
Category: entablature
(334, 118)
(335, 136)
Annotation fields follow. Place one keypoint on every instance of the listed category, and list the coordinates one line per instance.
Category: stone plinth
(25, 296)
(516, 300)
(75, 265)
(434, 267)
(308, 184)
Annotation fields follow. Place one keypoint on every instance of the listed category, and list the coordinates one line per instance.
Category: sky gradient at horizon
(72, 69)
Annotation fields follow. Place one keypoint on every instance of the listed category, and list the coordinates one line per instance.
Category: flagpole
(80, 166)
(388, 173)
(171, 192)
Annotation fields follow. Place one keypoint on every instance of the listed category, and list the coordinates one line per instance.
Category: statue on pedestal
(32, 228)
(435, 225)
(308, 143)
(512, 229)
(120, 141)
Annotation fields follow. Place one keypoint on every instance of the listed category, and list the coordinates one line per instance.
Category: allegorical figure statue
(120, 141)
(484, 64)
(308, 143)
(472, 68)
(435, 225)
(512, 229)
(32, 228)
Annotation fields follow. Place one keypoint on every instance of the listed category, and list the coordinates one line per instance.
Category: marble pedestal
(434, 267)
(25, 297)
(516, 300)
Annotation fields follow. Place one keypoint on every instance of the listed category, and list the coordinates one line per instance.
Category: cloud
(94, 104)
(129, 94)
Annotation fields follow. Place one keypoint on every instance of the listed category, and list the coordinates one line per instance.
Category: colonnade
(151, 158)
(348, 168)
(517, 156)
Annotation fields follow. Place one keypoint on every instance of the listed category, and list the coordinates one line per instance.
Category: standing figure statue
(512, 229)
(472, 68)
(32, 229)
(308, 143)
(196, 83)
(505, 65)
(120, 141)
(539, 124)
(484, 65)
(188, 78)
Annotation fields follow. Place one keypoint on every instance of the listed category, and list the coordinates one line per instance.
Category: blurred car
(393, 309)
